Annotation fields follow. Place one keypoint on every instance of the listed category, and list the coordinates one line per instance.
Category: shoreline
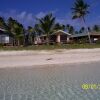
(42, 58)
(30, 52)
(50, 66)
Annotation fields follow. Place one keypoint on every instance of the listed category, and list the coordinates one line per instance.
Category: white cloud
(28, 19)
(23, 17)
(40, 15)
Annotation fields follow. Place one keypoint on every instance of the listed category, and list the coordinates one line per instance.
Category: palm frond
(79, 9)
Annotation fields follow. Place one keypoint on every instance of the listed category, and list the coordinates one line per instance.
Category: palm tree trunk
(89, 37)
(47, 39)
(18, 42)
(14, 42)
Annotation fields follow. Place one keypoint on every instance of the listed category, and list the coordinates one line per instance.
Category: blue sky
(25, 11)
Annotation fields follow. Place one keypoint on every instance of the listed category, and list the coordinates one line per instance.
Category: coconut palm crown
(80, 9)
(47, 24)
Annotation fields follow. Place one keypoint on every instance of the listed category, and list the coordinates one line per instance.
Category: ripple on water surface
(52, 83)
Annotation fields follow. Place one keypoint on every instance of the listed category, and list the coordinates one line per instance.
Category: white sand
(43, 57)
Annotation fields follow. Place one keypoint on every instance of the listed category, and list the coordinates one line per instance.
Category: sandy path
(33, 58)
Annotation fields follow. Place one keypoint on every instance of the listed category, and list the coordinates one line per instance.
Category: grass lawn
(52, 47)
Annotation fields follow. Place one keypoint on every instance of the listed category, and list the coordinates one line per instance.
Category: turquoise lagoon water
(52, 83)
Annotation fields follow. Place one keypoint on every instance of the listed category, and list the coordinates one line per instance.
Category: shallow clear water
(52, 83)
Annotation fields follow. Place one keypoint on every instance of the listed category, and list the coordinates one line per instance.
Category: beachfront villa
(95, 37)
(59, 36)
(5, 37)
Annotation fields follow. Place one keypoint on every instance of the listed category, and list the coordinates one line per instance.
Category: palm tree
(76, 32)
(59, 27)
(3, 23)
(17, 30)
(79, 11)
(96, 28)
(70, 29)
(30, 34)
(89, 29)
(46, 25)
(37, 30)
(82, 30)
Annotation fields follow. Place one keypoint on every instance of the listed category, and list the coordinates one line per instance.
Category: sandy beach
(43, 57)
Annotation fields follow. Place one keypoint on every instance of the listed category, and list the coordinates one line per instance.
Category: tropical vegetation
(79, 10)
(47, 25)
